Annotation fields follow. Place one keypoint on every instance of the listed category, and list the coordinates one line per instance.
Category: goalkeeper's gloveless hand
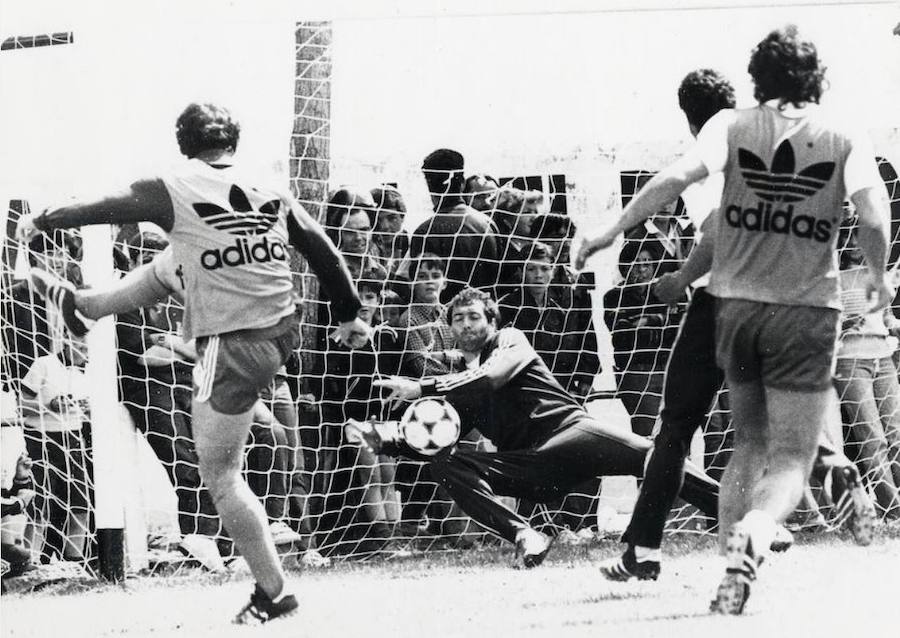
(364, 433)
(26, 230)
(352, 334)
(402, 389)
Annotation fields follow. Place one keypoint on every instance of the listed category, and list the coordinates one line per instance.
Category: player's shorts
(785, 347)
(232, 368)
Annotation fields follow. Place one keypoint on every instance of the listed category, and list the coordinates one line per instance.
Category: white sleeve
(861, 170)
(712, 141)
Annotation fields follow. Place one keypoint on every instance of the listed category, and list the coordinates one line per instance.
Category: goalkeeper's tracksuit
(547, 444)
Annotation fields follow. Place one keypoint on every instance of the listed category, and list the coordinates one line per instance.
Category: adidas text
(763, 218)
(243, 252)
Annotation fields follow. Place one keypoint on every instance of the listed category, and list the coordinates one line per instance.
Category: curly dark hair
(702, 94)
(204, 127)
(632, 249)
(786, 67)
(341, 205)
(468, 296)
(387, 197)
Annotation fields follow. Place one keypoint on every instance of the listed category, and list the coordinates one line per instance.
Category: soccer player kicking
(787, 171)
(693, 378)
(229, 234)
(547, 443)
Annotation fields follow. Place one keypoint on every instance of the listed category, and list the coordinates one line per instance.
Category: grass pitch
(825, 586)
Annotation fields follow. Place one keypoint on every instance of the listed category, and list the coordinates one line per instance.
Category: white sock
(762, 528)
(642, 554)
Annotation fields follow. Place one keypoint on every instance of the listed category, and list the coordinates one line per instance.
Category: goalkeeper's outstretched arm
(512, 355)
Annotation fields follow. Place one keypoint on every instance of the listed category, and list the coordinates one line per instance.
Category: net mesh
(323, 492)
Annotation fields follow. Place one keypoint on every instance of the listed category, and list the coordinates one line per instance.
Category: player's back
(229, 241)
(781, 208)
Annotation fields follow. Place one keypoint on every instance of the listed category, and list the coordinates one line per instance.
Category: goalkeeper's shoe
(531, 548)
(261, 609)
(627, 567)
(742, 563)
(853, 507)
(60, 293)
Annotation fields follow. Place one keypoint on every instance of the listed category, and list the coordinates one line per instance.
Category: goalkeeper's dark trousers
(548, 471)
(692, 381)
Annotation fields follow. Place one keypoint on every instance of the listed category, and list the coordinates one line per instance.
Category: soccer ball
(429, 426)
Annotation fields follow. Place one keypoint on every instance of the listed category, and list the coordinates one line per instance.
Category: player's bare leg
(220, 440)
(748, 462)
(137, 289)
(795, 421)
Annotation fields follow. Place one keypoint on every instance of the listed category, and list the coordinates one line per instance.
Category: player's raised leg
(139, 288)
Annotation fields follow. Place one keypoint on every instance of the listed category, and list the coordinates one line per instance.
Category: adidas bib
(230, 242)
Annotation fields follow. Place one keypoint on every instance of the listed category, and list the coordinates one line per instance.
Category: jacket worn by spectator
(466, 238)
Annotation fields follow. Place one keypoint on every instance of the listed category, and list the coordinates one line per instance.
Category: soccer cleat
(60, 293)
(312, 559)
(282, 534)
(532, 547)
(204, 550)
(261, 609)
(783, 540)
(742, 563)
(627, 567)
(853, 507)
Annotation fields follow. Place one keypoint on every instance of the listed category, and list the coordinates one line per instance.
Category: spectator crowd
(322, 493)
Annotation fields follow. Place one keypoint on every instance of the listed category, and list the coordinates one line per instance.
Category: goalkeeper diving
(546, 442)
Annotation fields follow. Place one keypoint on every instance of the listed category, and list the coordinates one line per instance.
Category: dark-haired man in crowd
(456, 232)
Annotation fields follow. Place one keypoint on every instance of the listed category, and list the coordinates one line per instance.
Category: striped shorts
(232, 368)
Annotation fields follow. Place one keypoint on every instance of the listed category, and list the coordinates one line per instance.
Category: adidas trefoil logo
(242, 219)
(776, 187)
(245, 222)
(781, 183)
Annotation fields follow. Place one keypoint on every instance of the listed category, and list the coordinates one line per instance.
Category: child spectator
(429, 347)
(54, 402)
(357, 483)
(643, 330)
(389, 339)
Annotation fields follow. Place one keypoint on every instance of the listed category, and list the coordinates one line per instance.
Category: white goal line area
(571, 104)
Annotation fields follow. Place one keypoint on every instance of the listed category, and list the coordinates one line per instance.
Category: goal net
(601, 333)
